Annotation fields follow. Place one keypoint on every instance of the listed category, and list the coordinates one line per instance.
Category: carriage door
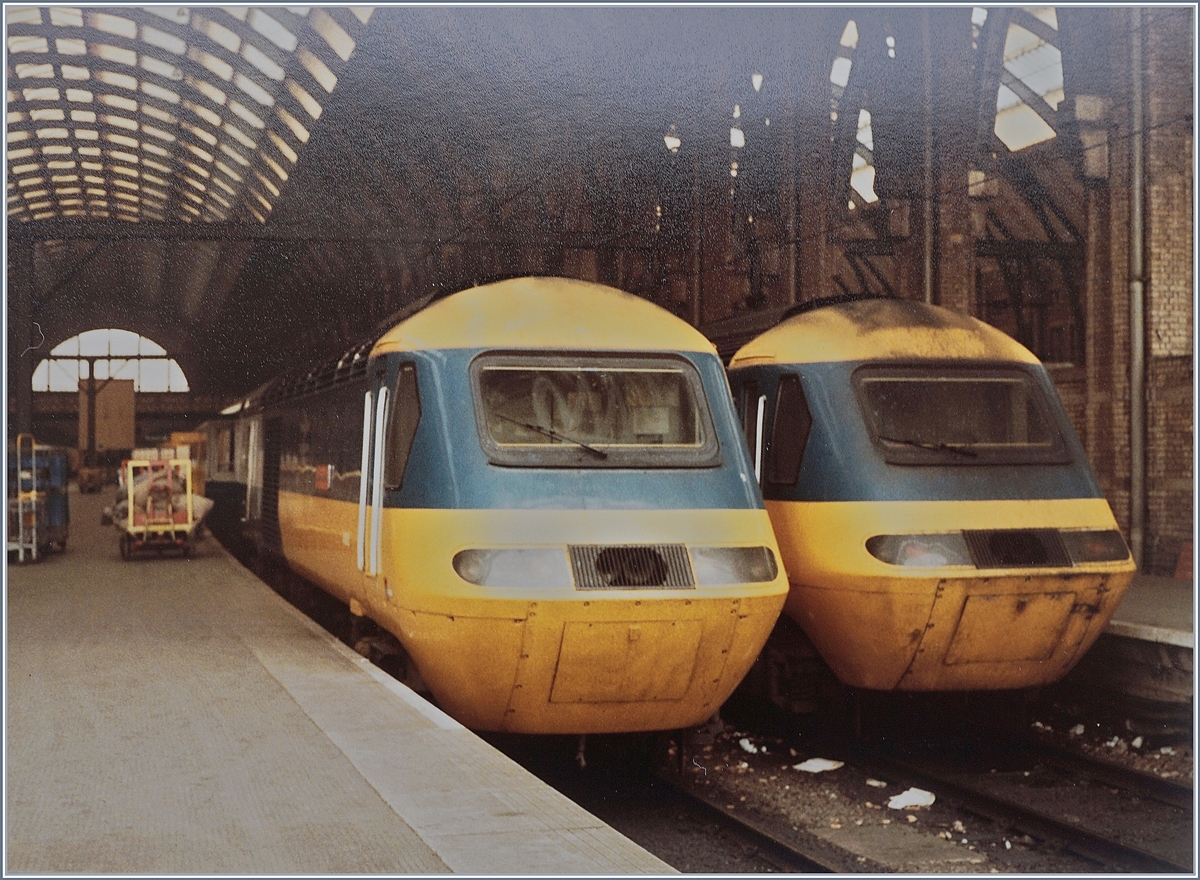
(370, 485)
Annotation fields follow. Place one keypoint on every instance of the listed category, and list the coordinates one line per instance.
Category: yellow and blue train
(939, 522)
(539, 488)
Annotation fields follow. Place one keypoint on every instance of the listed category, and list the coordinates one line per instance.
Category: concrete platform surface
(177, 716)
(1157, 609)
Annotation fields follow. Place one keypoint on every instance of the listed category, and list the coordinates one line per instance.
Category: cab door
(391, 414)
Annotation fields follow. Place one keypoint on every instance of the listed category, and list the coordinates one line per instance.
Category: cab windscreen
(952, 415)
(592, 411)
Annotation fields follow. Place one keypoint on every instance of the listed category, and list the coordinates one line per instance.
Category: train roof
(543, 313)
(880, 329)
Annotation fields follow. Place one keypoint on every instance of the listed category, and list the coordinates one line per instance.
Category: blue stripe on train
(841, 463)
(448, 469)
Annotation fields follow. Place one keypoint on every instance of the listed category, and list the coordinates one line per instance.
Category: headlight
(1095, 545)
(920, 551)
(733, 565)
(532, 567)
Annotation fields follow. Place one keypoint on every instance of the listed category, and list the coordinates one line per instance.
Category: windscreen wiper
(936, 447)
(554, 435)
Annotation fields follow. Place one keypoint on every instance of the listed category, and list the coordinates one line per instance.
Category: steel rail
(1110, 854)
(1135, 782)
(776, 844)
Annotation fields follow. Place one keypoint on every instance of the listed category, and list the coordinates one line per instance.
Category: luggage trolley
(160, 512)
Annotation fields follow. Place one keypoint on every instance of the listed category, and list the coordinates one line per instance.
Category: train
(938, 519)
(537, 489)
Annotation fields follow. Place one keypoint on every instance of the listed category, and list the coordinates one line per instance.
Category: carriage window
(223, 450)
(592, 411)
(789, 432)
(949, 415)
(402, 425)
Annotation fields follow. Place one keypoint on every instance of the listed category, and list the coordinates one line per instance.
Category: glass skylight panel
(203, 155)
(283, 147)
(307, 101)
(315, 66)
(340, 41)
(112, 24)
(251, 49)
(262, 21)
(115, 54)
(120, 80)
(262, 62)
(155, 91)
(253, 89)
(158, 133)
(63, 16)
(17, 44)
(862, 175)
(163, 40)
(293, 125)
(839, 73)
(24, 15)
(161, 68)
(223, 36)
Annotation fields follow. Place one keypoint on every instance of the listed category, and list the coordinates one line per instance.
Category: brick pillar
(1169, 290)
(953, 143)
(21, 333)
(813, 163)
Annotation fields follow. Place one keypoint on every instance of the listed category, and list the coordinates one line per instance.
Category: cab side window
(789, 432)
(402, 425)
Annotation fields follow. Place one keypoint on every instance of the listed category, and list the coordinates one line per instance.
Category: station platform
(1157, 609)
(1143, 661)
(171, 715)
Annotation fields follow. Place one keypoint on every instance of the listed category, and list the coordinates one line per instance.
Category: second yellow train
(939, 521)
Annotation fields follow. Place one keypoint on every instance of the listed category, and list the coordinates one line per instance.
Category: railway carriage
(539, 487)
(938, 518)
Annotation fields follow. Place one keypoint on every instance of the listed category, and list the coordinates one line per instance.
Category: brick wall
(1169, 291)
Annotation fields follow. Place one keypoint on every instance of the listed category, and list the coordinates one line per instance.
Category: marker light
(733, 565)
(533, 567)
(920, 551)
(1095, 545)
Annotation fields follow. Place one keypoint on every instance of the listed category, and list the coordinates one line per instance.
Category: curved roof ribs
(161, 113)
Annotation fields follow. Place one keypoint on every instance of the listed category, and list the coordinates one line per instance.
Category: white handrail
(377, 481)
(362, 480)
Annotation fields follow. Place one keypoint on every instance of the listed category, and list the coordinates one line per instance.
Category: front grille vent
(1017, 548)
(623, 567)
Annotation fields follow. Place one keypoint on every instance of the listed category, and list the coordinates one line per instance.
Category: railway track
(1135, 782)
(1115, 845)
(790, 850)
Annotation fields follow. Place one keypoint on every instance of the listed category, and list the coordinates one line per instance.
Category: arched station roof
(240, 183)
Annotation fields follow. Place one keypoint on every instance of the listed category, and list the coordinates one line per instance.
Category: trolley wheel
(126, 546)
(187, 549)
